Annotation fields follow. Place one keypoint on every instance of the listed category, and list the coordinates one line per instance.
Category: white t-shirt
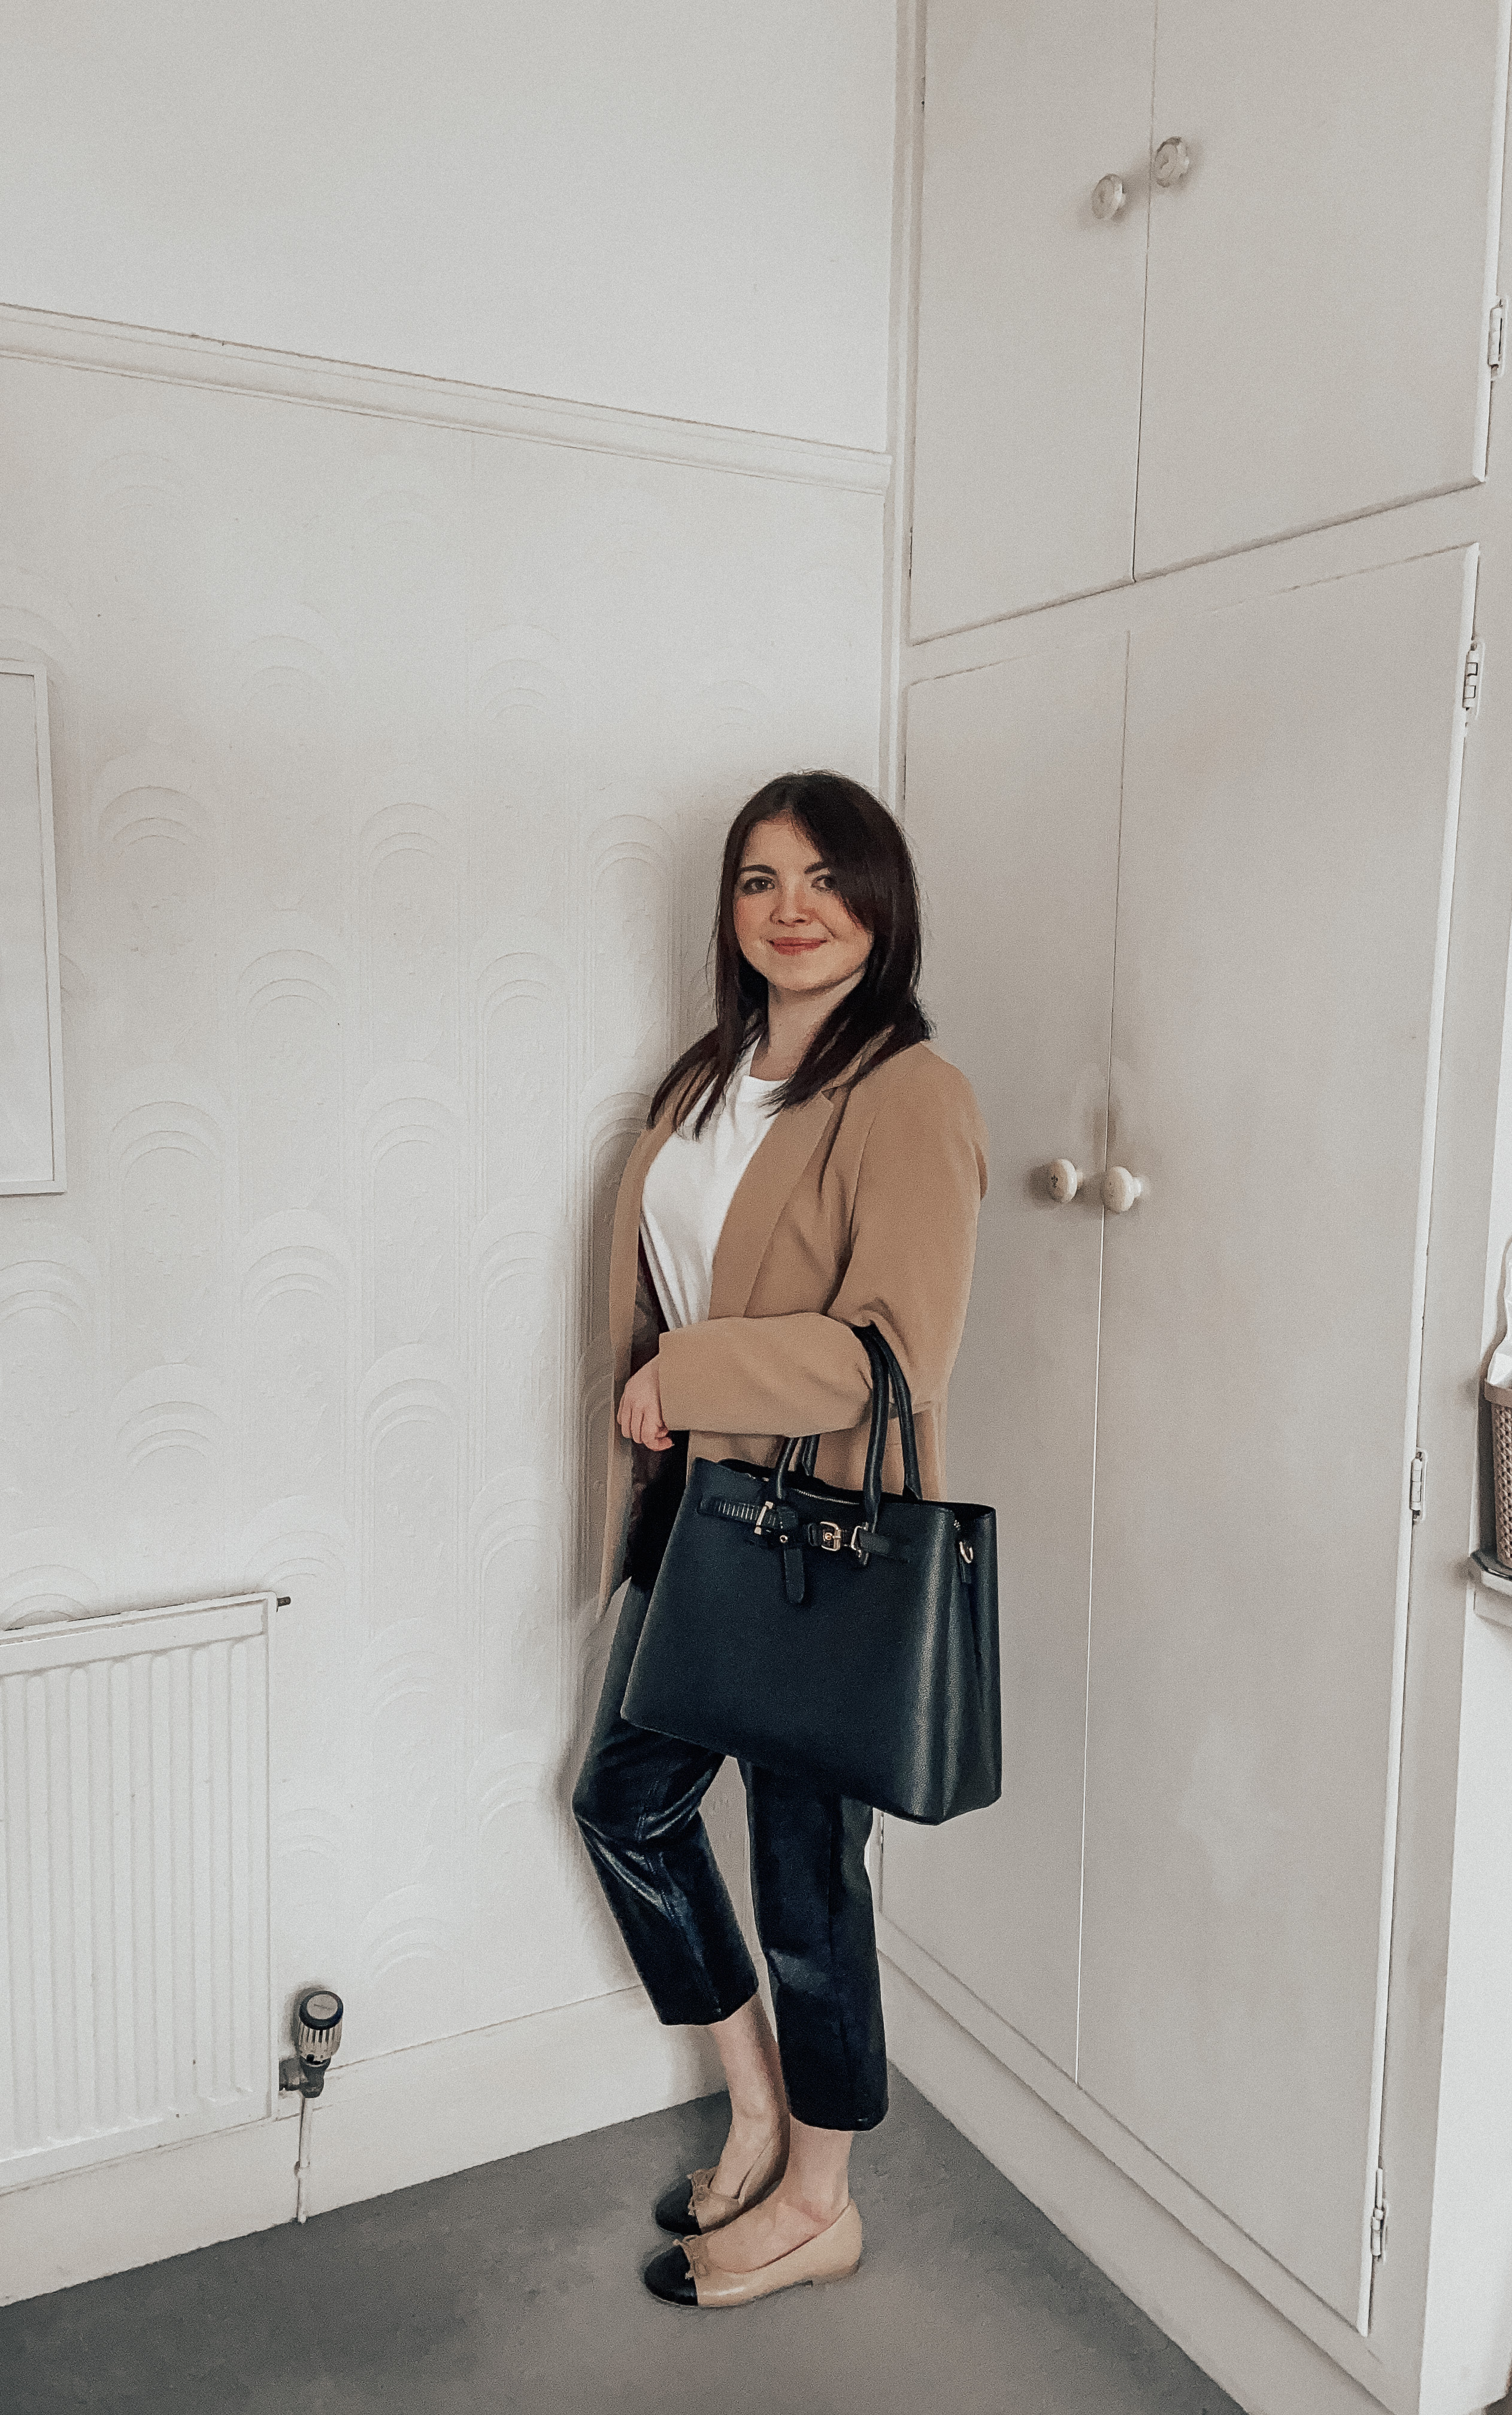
(688, 1192)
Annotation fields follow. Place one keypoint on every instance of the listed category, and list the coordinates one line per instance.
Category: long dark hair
(867, 856)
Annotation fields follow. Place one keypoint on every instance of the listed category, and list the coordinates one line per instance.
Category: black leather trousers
(636, 1802)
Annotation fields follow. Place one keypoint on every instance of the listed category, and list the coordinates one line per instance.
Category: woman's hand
(640, 1409)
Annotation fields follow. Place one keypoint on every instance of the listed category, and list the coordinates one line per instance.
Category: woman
(809, 1166)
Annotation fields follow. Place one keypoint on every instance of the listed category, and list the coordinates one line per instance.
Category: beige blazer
(859, 1207)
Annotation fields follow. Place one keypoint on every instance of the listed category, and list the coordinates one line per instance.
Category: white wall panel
(392, 764)
(675, 209)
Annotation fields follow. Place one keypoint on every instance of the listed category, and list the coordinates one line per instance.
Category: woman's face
(791, 924)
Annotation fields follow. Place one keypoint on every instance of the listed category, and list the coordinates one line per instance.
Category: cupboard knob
(1172, 162)
(1120, 1188)
(1062, 1179)
(1108, 198)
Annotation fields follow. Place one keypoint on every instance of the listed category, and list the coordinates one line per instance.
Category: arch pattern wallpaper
(390, 764)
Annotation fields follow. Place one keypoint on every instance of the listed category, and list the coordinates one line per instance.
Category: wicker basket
(1500, 1397)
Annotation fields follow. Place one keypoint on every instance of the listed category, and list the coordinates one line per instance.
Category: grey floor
(516, 2286)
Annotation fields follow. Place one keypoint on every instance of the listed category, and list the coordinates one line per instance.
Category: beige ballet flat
(696, 2205)
(683, 2275)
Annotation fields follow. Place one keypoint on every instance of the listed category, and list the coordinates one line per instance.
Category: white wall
(390, 764)
(680, 206)
(393, 749)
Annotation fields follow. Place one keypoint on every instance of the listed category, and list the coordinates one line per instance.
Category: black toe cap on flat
(674, 2209)
(667, 2276)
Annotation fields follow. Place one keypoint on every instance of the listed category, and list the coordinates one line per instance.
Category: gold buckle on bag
(831, 1538)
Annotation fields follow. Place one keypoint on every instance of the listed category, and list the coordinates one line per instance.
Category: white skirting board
(1222, 2323)
(380, 2125)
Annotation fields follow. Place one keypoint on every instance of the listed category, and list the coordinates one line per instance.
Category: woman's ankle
(754, 2121)
(822, 2207)
(753, 2071)
(816, 2181)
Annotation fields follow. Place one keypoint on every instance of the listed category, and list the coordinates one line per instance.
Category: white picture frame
(31, 1004)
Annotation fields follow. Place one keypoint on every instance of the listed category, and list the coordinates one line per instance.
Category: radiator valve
(317, 2035)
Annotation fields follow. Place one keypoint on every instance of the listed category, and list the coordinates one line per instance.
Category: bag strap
(774, 1520)
(889, 1390)
(903, 1402)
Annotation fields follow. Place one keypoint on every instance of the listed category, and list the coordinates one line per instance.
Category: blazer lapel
(626, 1245)
(761, 1197)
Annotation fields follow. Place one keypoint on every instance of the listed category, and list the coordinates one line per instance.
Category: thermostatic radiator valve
(317, 2035)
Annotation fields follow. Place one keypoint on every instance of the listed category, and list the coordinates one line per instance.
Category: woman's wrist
(641, 1416)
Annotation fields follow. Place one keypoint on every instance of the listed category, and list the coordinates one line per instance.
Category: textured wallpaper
(390, 768)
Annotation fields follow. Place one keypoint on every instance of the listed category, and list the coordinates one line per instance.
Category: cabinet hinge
(1496, 339)
(1378, 2218)
(1475, 663)
(910, 570)
(1414, 1484)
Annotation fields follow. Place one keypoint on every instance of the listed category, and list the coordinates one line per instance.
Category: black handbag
(849, 1638)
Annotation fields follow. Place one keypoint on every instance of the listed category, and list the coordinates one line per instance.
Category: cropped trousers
(636, 1802)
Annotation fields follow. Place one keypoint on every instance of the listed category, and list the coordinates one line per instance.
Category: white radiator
(134, 1990)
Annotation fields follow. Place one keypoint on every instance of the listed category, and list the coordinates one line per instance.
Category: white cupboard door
(1012, 808)
(1290, 790)
(1322, 275)
(1030, 306)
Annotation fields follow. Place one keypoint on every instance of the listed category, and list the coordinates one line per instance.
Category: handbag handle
(904, 1405)
(796, 1455)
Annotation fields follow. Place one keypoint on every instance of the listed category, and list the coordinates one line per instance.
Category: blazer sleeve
(918, 1189)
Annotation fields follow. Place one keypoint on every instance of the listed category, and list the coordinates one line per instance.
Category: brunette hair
(867, 856)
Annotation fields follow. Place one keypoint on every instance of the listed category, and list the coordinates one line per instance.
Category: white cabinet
(1193, 278)
(1321, 280)
(1290, 789)
(1029, 308)
(1197, 1417)
(1292, 329)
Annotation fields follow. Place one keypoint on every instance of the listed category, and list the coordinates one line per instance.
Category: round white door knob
(1062, 1181)
(1108, 197)
(1120, 1188)
(1172, 162)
